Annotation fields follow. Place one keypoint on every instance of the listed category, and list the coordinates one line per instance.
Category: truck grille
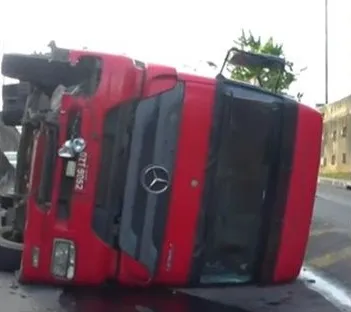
(112, 170)
(47, 173)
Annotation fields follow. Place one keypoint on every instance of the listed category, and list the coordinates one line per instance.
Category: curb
(346, 184)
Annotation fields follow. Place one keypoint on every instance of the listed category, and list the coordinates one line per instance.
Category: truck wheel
(12, 118)
(14, 102)
(10, 251)
(7, 201)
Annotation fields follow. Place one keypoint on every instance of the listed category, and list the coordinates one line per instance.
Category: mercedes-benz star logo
(155, 179)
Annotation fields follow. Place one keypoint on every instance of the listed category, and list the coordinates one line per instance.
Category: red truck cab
(146, 176)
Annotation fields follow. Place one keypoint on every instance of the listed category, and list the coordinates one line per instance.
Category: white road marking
(333, 198)
(332, 291)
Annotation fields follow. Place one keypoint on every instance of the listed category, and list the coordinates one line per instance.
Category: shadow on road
(123, 300)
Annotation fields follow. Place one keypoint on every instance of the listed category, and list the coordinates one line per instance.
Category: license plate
(81, 172)
(71, 168)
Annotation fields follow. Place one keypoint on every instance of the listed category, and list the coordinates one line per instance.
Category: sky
(188, 32)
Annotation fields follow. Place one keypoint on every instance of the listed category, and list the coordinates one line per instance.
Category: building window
(333, 160)
(324, 161)
(344, 158)
(344, 132)
(334, 135)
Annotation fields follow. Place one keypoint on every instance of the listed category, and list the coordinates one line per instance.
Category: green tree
(267, 78)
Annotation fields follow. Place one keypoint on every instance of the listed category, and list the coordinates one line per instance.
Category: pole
(326, 53)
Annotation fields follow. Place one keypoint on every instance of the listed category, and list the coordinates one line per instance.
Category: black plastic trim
(47, 171)
(278, 193)
(154, 142)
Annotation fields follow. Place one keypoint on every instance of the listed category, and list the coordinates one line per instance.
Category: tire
(12, 118)
(10, 252)
(14, 98)
(21, 174)
(7, 201)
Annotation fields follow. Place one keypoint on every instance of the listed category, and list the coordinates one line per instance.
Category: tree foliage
(268, 78)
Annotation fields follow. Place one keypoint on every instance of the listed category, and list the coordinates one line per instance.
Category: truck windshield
(241, 168)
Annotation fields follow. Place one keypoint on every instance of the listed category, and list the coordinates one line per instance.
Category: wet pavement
(286, 298)
(141, 301)
(296, 297)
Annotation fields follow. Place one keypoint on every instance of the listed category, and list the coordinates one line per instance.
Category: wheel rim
(14, 244)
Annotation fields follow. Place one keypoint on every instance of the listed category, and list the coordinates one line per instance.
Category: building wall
(336, 140)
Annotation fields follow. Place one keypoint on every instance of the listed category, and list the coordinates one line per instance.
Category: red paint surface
(186, 199)
(300, 201)
(95, 260)
(159, 79)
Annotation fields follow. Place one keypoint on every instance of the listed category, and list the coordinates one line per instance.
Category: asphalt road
(329, 249)
(329, 252)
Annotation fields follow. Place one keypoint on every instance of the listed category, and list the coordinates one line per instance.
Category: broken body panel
(184, 180)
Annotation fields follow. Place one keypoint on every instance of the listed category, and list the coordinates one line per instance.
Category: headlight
(35, 257)
(72, 147)
(66, 150)
(63, 259)
(78, 145)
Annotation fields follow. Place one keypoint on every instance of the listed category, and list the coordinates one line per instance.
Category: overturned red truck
(142, 175)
